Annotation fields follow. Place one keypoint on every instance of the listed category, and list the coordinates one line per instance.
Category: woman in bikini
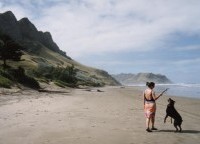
(150, 105)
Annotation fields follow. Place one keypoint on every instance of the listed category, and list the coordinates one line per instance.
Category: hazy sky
(129, 36)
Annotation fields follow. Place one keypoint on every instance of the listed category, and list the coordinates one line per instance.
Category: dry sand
(114, 116)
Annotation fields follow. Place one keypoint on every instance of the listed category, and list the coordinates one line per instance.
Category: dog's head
(171, 101)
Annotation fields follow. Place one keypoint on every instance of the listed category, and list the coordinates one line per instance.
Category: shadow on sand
(183, 131)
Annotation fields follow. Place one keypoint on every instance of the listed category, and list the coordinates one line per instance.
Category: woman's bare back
(149, 94)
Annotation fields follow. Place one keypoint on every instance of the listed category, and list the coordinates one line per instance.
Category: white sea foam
(177, 89)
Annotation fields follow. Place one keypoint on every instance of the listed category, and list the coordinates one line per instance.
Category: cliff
(40, 51)
(24, 31)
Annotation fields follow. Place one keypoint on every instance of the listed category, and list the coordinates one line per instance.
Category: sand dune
(112, 116)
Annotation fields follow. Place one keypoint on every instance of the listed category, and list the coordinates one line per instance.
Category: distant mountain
(141, 78)
(41, 51)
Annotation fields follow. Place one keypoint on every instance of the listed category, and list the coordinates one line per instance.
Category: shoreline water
(179, 89)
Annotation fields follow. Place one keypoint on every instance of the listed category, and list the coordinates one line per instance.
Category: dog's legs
(176, 128)
(165, 118)
(180, 128)
(175, 125)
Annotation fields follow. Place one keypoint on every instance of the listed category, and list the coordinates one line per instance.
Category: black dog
(171, 111)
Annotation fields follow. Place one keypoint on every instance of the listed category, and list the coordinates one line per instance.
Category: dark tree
(9, 50)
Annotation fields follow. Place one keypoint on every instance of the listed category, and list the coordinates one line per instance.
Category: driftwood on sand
(52, 91)
(94, 90)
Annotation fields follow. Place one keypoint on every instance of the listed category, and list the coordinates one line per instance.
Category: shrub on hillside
(6, 74)
(4, 82)
(10, 76)
(22, 78)
(66, 75)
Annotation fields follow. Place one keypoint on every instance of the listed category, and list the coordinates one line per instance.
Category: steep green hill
(42, 53)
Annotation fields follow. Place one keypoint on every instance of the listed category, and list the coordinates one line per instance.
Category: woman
(150, 105)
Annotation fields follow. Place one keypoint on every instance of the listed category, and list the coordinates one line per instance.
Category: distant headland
(141, 78)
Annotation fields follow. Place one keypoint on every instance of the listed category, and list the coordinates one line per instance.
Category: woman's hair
(150, 84)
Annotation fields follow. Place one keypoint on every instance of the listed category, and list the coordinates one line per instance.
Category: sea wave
(175, 84)
(176, 89)
(188, 85)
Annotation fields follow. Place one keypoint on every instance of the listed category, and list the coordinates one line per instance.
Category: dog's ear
(172, 101)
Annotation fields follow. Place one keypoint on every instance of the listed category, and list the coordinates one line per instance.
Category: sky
(122, 36)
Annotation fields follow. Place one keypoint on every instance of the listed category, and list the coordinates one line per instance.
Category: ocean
(180, 89)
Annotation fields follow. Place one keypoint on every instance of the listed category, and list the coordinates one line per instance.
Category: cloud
(16, 9)
(189, 48)
(103, 26)
(92, 26)
(191, 62)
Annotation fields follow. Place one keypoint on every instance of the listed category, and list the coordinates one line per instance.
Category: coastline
(179, 89)
(113, 115)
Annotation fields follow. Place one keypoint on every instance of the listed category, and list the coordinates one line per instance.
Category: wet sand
(113, 115)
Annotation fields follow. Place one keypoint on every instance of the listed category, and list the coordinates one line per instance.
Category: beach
(108, 115)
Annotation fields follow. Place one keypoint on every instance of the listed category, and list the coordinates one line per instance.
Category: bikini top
(151, 100)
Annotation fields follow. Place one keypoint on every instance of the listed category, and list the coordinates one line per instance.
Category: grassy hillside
(37, 59)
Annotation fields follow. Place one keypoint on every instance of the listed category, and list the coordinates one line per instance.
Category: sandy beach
(113, 115)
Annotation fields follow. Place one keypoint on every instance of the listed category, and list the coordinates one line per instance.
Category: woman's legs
(150, 109)
(147, 125)
(153, 121)
(147, 122)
